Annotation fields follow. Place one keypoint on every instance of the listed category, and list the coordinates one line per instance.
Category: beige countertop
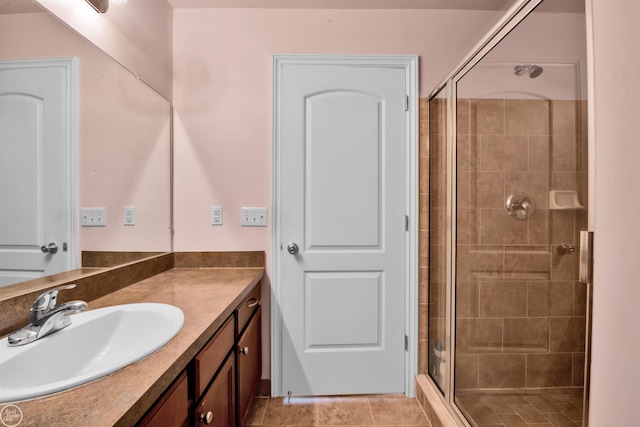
(207, 296)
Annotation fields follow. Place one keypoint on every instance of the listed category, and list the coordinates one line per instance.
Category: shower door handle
(586, 257)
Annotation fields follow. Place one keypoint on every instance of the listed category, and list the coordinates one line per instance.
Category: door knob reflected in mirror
(292, 248)
(51, 248)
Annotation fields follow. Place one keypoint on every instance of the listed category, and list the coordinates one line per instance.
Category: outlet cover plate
(129, 215)
(216, 215)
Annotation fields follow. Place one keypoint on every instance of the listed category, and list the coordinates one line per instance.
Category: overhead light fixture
(101, 6)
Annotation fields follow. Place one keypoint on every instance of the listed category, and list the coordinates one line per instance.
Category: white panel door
(342, 192)
(35, 170)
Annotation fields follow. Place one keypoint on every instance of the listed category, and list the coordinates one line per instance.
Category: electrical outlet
(216, 215)
(93, 217)
(253, 217)
(129, 215)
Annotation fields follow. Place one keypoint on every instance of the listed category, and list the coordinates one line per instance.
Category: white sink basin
(97, 343)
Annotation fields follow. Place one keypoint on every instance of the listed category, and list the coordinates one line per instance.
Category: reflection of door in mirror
(38, 100)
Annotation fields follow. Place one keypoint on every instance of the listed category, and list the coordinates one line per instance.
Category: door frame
(72, 72)
(408, 63)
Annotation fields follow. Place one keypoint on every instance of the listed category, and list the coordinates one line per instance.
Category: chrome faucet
(46, 317)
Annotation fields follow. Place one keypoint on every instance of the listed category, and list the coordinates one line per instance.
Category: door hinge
(406, 103)
(406, 223)
(406, 343)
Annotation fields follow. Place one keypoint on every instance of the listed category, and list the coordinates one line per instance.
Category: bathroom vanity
(206, 375)
(228, 366)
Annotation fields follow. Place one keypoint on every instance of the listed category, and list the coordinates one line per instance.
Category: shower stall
(508, 317)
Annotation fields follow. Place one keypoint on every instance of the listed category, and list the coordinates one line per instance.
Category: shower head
(534, 70)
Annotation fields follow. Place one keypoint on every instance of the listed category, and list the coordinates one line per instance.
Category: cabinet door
(249, 365)
(172, 410)
(217, 407)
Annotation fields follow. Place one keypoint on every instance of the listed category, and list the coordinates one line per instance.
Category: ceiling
(568, 6)
(18, 6)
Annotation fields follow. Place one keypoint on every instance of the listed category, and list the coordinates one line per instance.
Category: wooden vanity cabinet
(218, 386)
(217, 407)
(249, 364)
(172, 410)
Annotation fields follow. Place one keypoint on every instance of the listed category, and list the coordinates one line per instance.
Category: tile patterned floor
(363, 411)
(545, 408)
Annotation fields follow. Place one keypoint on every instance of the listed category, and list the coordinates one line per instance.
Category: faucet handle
(47, 300)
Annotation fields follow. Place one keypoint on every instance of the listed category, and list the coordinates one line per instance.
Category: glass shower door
(520, 312)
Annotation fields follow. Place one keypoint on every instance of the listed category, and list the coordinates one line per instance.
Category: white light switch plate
(93, 217)
(253, 217)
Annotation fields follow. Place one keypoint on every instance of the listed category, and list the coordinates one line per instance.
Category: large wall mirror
(123, 141)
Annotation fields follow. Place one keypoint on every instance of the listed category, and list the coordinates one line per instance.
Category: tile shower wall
(520, 314)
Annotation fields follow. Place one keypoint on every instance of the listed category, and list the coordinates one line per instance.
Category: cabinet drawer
(212, 355)
(172, 410)
(217, 408)
(247, 307)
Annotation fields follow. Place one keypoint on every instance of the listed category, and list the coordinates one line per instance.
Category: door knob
(292, 248)
(51, 248)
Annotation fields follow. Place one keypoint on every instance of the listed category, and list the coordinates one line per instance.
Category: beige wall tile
(477, 336)
(538, 299)
(567, 334)
(561, 298)
(526, 117)
(475, 262)
(539, 153)
(438, 152)
(527, 262)
(501, 371)
(526, 335)
(463, 190)
(497, 227)
(549, 370)
(487, 189)
(503, 153)
(466, 367)
(468, 226)
(466, 299)
(539, 227)
(463, 152)
(562, 227)
(578, 369)
(438, 115)
(487, 116)
(503, 299)
(463, 116)
(564, 117)
(564, 153)
(563, 266)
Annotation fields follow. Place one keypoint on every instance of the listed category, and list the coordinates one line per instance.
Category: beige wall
(136, 33)
(615, 369)
(222, 99)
